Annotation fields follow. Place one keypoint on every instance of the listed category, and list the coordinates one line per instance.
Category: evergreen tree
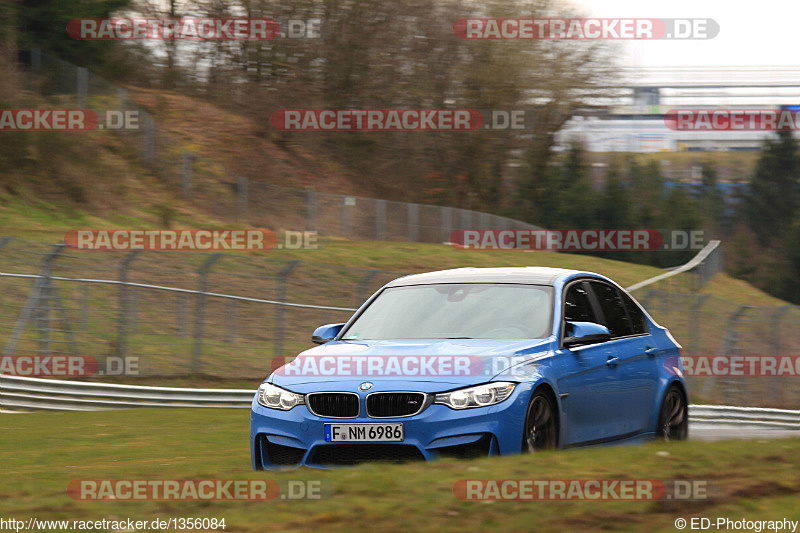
(774, 189)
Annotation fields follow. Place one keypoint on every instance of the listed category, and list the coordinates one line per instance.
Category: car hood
(478, 361)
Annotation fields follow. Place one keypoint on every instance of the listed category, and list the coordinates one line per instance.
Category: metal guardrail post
(122, 320)
(281, 311)
(200, 309)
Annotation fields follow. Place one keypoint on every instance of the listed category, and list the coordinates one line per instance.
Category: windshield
(457, 311)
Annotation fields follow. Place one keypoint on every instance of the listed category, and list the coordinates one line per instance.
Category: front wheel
(673, 420)
(541, 427)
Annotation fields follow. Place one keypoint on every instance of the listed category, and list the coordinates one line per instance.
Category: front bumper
(296, 437)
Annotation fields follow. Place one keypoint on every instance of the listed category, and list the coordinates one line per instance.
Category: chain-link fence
(180, 314)
(213, 315)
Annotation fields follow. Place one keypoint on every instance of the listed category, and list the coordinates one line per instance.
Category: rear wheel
(673, 419)
(541, 425)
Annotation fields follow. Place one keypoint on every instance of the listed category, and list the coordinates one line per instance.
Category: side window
(577, 305)
(638, 321)
(616, 317)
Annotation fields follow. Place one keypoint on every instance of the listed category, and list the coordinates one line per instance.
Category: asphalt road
(708, 432)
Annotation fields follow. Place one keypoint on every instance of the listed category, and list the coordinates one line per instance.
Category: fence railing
(227, 316)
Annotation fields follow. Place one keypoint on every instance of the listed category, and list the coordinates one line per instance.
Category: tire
(541, 424)
(673, 417)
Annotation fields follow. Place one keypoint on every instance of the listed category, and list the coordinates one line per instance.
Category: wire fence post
(230, 316)
(446, 221)
(694, 323)
(148, 129)
(31, 308)
(200, 310)
(280, 312)
(186, 174)
(84, 305)
(413, 222)
(241, 194)
(348, 202)
(363, 287)
(83, 86)
(122, 315)
(730, 344)
(183, 315)
(311, 209)
(775, 329)
(380, 220)
(122, 98)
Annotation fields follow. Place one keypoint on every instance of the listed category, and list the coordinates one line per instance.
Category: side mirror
(326, 333)
(578, 333)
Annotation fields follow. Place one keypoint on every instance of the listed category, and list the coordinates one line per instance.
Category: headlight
(277, 398)
(480, 396)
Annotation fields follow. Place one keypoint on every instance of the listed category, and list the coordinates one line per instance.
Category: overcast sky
(758, 33)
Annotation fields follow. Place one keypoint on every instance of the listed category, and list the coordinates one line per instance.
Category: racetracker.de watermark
(402, 119)
(735, 365)
(575, 240)
(172, 240)
(196, 489)
(67, 366)
(67, 120)
(173, 29)
(732, 119)
(585, 29)
(582, 489)
(343, 365)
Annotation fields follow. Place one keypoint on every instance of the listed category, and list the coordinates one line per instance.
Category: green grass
(42, 452)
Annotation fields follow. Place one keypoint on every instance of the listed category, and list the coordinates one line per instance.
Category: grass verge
(42, 452)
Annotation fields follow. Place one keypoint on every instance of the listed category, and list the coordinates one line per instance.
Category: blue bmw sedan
(474, 362)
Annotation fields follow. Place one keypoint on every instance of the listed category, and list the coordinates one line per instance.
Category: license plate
(364, 432)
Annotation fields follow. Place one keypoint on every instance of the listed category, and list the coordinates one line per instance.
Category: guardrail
(754, 416)
(695, 262)
(18, 392)
(23, 393)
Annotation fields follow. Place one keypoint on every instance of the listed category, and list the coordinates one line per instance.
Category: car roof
(528, 275)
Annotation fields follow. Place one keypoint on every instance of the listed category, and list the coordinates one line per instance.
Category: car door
(587, 384)
(633, 348)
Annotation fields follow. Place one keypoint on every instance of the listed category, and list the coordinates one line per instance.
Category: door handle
(651, 351)
(612, 361)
